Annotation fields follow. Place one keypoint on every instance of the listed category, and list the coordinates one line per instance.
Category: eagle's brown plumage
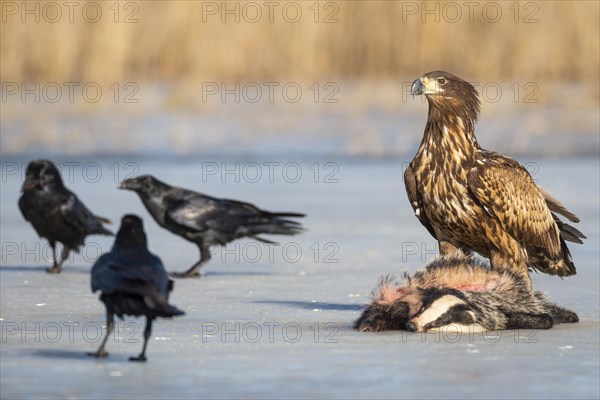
(472, 199)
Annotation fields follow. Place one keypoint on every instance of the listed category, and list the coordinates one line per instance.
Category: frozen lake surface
(275, 322)
(362, 118)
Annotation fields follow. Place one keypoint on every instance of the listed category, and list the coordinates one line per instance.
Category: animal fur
(455, 292)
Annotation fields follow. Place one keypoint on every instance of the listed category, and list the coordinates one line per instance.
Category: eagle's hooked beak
(417, 87)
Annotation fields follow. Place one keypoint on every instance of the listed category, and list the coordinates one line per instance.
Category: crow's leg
(147, 332)
(110, 324)
(191, 272)
(55, 265)
(63, 257)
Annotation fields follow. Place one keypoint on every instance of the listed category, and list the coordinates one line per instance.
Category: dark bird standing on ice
(55, 212)
(473, 199)
(206, 220)
(133, 281)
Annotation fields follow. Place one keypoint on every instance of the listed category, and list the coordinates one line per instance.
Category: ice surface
(276, 322)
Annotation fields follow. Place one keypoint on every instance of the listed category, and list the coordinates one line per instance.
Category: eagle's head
(449, 94)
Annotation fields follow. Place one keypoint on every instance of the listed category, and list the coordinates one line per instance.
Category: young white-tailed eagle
(473, 199)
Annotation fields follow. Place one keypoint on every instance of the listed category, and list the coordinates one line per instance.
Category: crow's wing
(24, 209)
(203, 213)
(142, 275)
(80, 218)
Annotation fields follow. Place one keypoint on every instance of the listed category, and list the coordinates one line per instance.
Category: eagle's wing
(508, 193)
(567, 232)
(414, 198)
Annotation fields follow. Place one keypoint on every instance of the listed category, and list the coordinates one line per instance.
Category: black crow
(206, 220)
(55, 212)
(133, 281)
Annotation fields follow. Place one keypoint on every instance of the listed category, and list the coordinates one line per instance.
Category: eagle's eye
(441, 81)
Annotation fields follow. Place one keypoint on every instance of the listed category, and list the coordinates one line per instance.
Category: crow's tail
(167, 310)
(99, 229)
(276, 224)
(150, 304)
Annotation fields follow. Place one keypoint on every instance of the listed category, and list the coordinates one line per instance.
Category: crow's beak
(30, 184)
(417, 87)
(127, 184)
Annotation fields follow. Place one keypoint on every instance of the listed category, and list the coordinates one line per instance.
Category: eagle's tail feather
(560, 264)
(568, 232)
(567, 265)
(557, 206)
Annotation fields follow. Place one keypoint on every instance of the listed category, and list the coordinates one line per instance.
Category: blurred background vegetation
(174, 40)
(544, 56)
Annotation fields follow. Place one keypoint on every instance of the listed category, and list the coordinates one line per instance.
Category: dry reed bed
(185, 40)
